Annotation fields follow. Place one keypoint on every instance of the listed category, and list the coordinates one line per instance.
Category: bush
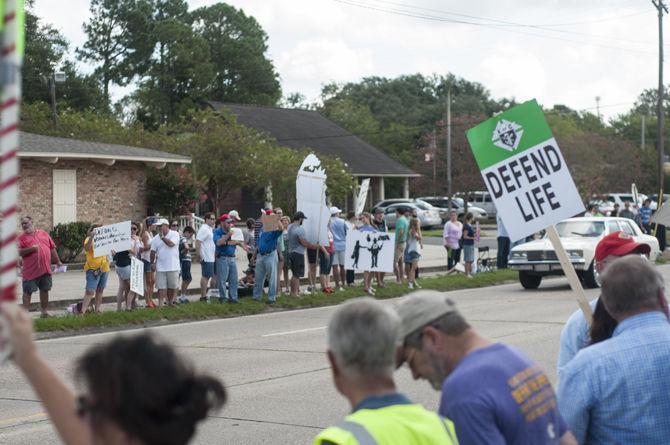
(69, 239)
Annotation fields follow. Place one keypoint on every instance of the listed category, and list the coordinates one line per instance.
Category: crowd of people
(612, 368)
(277, 260)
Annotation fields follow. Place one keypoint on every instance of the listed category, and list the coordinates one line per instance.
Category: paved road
(276, 371)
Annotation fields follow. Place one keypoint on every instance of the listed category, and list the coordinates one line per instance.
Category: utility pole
(449, 191)
(598, 106)
(642, 130)
(433, 152)
(52, 94)
(660, 7)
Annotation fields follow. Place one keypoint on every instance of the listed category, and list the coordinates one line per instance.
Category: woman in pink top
(453, 231)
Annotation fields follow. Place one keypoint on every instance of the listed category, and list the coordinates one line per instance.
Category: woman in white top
(451, 236)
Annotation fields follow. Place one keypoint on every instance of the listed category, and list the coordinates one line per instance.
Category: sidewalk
(68, 287)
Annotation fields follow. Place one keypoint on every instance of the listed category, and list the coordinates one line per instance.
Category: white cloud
(316, 41)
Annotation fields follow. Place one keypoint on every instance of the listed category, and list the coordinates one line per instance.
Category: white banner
(371, 251)
(136, 276)
(311, 200)
(114, 237)
(362, 196)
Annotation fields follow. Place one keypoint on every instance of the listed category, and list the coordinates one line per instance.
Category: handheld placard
(528, 179)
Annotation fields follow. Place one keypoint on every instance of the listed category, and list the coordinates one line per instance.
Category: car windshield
(626, 198)
(580, 228)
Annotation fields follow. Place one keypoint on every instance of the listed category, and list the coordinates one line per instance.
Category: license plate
(542, 268)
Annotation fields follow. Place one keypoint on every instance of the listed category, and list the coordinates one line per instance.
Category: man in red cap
(576, 333)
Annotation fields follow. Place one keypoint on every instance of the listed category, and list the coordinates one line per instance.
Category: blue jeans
(266, 265)
(226, 270)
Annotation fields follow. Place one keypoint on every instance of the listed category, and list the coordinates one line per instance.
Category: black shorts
(186, 271)
(297, 261)
(43, 283)
(311, 256)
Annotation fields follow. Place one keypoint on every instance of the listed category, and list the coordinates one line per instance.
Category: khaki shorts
(399, 252)
(167, 280)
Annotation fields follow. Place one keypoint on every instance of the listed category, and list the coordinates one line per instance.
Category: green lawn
(247, 306)
(433, 232)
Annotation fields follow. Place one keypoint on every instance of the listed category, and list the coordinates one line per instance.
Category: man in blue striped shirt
(616, 391)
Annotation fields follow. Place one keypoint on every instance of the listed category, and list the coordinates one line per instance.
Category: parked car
(537, 259)
(483, 200)
(442, 204)
(428, 217)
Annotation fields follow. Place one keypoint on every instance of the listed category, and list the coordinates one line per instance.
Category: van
(484, 201)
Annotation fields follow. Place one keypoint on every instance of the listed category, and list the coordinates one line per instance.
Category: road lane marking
(22, 419)
(293, 332)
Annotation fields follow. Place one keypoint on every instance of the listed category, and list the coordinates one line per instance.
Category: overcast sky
(558, 51)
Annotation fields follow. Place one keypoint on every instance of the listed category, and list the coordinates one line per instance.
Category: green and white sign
(524, 170)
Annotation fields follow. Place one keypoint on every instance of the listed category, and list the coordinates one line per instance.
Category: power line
(501, 25)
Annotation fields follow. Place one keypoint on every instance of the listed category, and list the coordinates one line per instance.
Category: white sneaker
(341, 289)
(410, 285)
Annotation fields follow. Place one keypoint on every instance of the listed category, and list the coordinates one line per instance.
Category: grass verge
(247, 306)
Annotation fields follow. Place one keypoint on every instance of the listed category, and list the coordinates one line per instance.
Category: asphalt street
(275, 368)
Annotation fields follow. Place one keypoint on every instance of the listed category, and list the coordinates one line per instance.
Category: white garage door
(65, 196)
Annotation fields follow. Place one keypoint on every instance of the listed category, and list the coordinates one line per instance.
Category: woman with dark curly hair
(137, 390)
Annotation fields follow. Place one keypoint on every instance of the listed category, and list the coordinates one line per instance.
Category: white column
(405, 189)
(382, 190)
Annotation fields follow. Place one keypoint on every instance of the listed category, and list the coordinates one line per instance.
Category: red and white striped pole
(11, 55)
(10, 93)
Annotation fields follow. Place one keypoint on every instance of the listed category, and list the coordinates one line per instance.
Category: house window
(64, 196)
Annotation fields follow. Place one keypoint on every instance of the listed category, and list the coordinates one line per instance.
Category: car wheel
(529, 281)
(591, 277)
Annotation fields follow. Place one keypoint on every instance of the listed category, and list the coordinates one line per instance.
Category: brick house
(64, 180)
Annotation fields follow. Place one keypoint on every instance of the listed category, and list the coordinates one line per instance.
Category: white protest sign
(311, 200)
(136, 276)
(114, 237)
(362, 196)
(369, 251)
(528, 179)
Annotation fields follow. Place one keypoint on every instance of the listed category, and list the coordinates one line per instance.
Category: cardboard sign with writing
(136, 276)
(524, 170)
(271, 223)
(114, 237)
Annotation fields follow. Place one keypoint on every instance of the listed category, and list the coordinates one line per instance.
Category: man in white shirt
(165, 261)
(204, 247)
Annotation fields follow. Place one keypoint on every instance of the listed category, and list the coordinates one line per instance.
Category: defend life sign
(524, 170)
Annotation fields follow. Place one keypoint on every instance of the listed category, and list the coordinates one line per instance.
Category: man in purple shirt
(493, 392)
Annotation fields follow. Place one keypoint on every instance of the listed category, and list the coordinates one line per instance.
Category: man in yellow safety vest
(362, 337)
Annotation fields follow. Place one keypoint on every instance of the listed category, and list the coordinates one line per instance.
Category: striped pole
(10, 92)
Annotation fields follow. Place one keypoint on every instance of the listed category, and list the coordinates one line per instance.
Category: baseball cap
(224, 217)
(379, 210)
(299, 215)
(162, 221)
(233, 214)
(151, 221)
(334, 210)
(419, 309)
(619, 244)
(268, 211)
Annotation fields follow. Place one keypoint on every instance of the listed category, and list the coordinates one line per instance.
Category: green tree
(180, 74)
(172, 190)
(238, 46)
(119, 40)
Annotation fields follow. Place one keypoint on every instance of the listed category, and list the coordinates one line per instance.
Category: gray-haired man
(362, 338)
(493, 393)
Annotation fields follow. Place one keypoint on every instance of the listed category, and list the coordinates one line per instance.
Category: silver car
(428, 216)
(441, 203)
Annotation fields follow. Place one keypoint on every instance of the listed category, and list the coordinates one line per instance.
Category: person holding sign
(226, 266)
(366, 226)
(266, 257)
(97, 271)
(165, 262)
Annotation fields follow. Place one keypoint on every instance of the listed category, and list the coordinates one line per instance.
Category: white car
(579, 236)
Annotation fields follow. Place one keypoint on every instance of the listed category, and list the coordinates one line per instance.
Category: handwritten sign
(114, 237)
(136, 276)
(270, 223)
